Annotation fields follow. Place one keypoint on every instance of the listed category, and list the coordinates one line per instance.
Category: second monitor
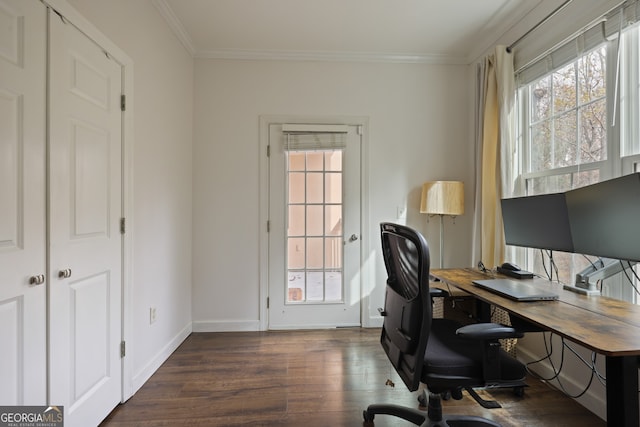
(540, 222)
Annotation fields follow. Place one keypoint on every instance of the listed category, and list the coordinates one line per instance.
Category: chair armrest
(488, 331)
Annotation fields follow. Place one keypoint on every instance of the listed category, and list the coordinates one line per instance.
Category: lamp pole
(442, 198)
(441, 241)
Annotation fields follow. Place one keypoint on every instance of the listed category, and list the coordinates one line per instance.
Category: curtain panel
(495, 150)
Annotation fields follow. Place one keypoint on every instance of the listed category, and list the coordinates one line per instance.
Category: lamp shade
(442, 198)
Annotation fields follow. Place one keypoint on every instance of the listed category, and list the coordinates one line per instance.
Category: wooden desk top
(605, 325)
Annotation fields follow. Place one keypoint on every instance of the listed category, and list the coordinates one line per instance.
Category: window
(566, 125)
(314, 233)
(571, 135)
(630, 100)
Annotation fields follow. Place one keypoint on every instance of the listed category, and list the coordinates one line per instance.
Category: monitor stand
(599, 270)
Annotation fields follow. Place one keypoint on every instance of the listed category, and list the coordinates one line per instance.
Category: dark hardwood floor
(307, 378)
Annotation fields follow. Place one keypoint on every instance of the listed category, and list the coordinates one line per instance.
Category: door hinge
(359, 129)
(123, 102)
(123, 226)
(267, 302)
(268, 150)
(123, 349)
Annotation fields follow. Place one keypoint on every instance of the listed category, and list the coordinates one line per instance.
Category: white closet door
(85, 242)
(22, 203)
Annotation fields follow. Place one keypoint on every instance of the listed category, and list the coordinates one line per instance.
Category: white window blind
(604, 28)
(301, 137)
(563, 55)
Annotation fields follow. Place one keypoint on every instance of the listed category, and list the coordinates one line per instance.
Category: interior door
(85, 249)
(314, 217)
(22, 203)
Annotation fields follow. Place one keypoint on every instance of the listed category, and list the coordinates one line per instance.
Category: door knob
(353, 238)
(64, 274)
(36, 280)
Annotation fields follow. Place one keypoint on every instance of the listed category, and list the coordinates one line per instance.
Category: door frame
(265, 122)
(126, 63)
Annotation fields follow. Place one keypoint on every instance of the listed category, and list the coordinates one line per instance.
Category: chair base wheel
(431, 418)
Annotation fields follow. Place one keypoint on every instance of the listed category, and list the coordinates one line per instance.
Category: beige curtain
(495, 152)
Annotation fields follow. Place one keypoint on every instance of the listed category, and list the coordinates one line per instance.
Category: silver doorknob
(353, 238)
(64, 274)
(36, 280)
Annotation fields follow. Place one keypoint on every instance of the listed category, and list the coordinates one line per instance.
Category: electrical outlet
(152, 315)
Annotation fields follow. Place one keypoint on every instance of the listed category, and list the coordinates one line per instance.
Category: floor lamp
(442, 198)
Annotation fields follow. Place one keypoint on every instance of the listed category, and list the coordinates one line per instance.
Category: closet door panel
(85, 244)
(22, 202)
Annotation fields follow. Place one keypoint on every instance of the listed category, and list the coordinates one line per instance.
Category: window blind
(530, 68)
(301, 137)
(563, 55)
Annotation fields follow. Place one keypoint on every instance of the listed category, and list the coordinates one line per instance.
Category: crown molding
(286, 55)
(175, 25)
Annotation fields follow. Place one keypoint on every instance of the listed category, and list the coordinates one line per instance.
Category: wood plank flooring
(307, 378)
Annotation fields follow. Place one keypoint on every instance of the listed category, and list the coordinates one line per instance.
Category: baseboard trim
(375, 322)
(152, 366)
(226, 326)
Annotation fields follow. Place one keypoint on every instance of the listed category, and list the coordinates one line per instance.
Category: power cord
(481, 267)
(556, 372)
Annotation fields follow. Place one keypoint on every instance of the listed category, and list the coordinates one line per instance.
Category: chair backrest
(407, 307)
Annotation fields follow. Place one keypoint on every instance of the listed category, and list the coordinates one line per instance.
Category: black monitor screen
(537, 222)
(605, 218)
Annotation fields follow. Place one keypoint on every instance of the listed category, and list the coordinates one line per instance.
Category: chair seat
(449, 356)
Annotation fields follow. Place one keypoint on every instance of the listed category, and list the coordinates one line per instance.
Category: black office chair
(440, 353)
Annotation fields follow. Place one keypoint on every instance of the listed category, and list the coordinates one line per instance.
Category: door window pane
(315, 188)
(296, 220)
(315, 161)
(333, 160)
(333, 220)
(296, 187)
(333, 188)
(314, 224)
(296, 161)
(333, 253)
(315, 254)
(296, 253)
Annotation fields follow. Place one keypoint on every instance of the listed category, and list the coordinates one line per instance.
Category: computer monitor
(605, 218)
(539, 222)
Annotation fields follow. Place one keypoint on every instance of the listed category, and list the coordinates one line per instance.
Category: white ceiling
(442, 31)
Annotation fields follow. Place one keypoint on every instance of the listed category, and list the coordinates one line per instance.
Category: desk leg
(622, 391)
(483, 311)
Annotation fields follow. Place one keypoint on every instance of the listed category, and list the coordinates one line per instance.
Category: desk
(604, 325)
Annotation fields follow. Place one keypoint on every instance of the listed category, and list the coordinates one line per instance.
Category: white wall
(162, 176)
(418, 132)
